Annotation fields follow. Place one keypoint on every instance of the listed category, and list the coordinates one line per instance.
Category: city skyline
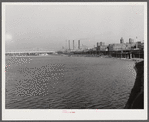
(49, 26)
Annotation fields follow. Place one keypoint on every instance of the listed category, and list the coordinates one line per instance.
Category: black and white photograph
(74, 58)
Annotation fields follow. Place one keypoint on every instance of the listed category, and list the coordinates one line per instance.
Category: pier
(117, 54)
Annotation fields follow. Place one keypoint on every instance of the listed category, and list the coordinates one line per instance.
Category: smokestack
(78, 44)
(73, 44)
(69, 44)
(66, 45)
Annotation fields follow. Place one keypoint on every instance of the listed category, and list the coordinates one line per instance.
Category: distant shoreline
(104, 56)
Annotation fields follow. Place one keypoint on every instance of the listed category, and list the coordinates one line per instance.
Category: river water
(61, 82)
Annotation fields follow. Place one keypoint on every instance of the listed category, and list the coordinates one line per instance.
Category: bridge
(30, 53)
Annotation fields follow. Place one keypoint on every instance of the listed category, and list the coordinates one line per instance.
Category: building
(131, 41)
(101, 47)
(131, 45)
(117, 47)
(102, 43)
(121, 40)
(140, 45)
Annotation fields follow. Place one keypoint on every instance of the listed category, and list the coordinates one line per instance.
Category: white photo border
(75, 114)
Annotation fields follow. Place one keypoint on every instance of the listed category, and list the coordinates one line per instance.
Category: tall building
(73, 44)
(121, 40)
(131, 41)
(69, 44)
(101, 47)
(102, 43)
(78, 44)
(97, 44)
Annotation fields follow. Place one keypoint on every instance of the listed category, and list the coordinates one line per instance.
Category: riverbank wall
(136, 98)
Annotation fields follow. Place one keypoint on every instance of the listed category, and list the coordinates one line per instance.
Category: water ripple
(68, 83)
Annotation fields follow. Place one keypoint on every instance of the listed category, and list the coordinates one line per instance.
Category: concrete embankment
(136, 98)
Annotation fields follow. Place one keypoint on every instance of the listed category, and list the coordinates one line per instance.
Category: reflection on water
(60, 82)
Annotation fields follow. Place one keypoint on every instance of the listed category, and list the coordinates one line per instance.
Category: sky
(48, 27)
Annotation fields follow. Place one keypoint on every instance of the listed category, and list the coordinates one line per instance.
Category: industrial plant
(134, 48)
